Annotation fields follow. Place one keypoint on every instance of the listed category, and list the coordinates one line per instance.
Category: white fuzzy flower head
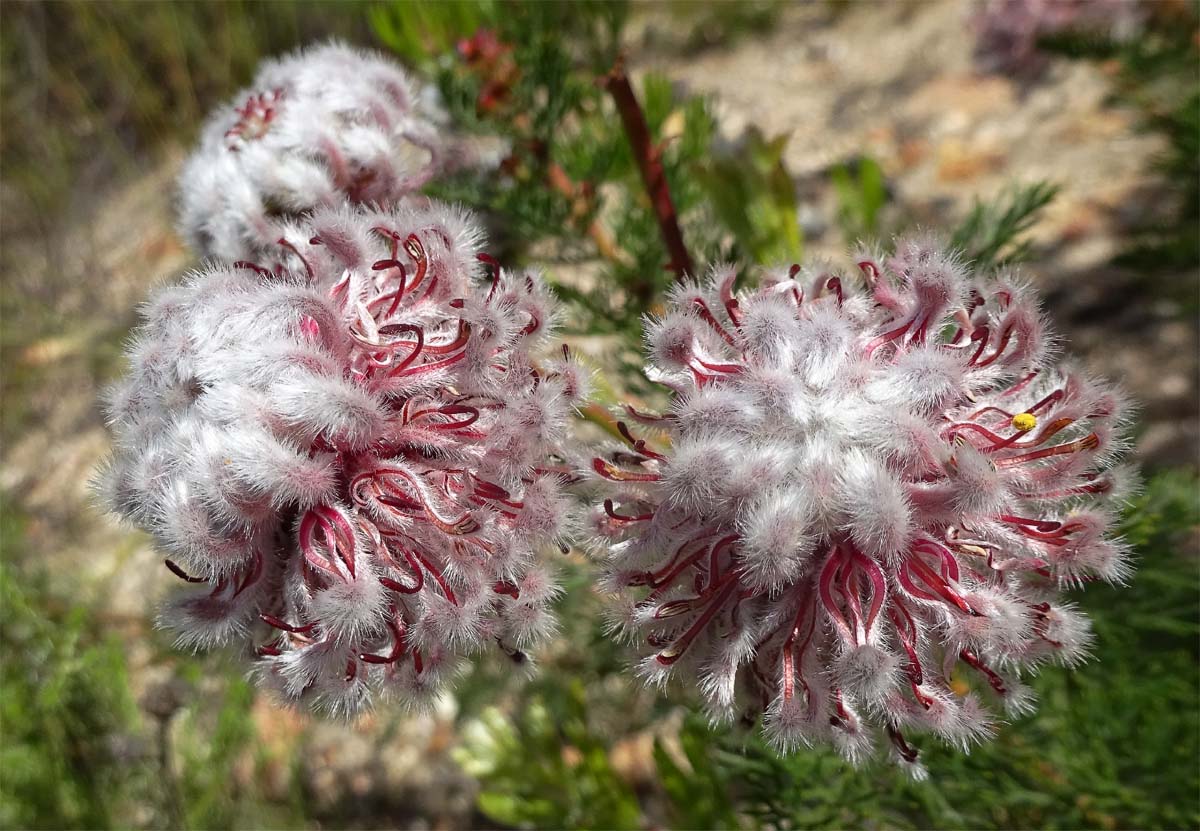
(316, 128)
(355, 458)
(866, 488)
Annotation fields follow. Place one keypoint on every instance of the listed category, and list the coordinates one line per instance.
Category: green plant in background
(696, 786)
(754, 197)
(427, 34)
(569, 187)
(543, 767)
(76, 752)
(990, 235)
(542, 746)
(66, 715)
(73, 69)
(861, 195)
(222, 766)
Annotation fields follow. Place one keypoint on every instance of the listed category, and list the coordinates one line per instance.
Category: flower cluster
(356, 457)
(871, 497)
(1008, 30)
(316, 128)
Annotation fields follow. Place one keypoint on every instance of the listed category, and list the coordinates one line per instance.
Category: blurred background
(1067, 144)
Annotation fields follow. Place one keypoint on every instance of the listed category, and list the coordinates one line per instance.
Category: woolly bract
(864, 501)
(356, 458)
(316, 128)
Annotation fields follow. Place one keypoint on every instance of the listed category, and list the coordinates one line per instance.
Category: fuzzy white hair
(361, 451)
(870, 482)
(321, 126)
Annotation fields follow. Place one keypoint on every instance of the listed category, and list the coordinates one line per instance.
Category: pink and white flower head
(356, 458)
(868, 491)
(316, 128)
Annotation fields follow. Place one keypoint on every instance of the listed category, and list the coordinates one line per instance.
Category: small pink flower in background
(867, 491)
(356, 457)
(316, 128)
(1008, 30)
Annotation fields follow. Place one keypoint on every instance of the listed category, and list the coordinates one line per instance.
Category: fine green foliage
(76, 752)
(426, 34)
(216, 738)
(991, 233)
(546, 768)
(542, 746)
(696, 787)
(65, 712)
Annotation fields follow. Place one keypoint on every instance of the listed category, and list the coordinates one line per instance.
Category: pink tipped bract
(317, 128)
(864, 501)
(355, 457)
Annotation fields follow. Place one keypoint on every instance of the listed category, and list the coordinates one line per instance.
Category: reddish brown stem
(649, 160)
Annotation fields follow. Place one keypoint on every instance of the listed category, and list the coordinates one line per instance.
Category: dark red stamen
(181, 574)
(271, 620)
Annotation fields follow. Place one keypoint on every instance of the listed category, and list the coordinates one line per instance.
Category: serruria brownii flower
(867, 492)
(316, 128)
(357, 457)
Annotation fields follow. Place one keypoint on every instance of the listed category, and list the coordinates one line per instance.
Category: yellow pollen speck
(1024, 422)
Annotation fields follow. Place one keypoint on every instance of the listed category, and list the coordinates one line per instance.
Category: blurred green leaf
(425, 34)
(861, 195)
(753, 195)
(65, 709)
